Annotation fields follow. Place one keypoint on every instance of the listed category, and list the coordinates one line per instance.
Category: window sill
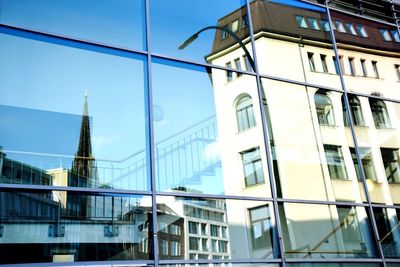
(254, 185)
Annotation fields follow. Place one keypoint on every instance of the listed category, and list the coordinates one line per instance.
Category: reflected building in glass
(257, 133)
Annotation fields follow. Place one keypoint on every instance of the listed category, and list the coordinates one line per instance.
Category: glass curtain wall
(218, 133)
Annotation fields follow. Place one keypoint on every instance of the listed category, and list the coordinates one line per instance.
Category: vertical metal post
(354, 137)
(264, 118)
(150, 136)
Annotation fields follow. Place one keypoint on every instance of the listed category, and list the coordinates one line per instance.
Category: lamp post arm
(231, 33)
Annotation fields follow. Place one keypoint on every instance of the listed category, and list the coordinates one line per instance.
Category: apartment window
(194, 243)
(336, 64)
(335, 162)
(361, 31)
(261, 225)
(397, 70)
(301, 21)
(390, 158)
(175, 248)
(379, 113)
(351, 29)
(235, 26)
(396, 36)
(253, 171)
(351, 66)
(349, 226)
(324, 109)
(213, 245)
(204, 245)
(244, 22)
(313, 23)
(193, 227)
(363, 68)
(222, 246)
(247, 62)
(214, 230)
(340, 27)
(355, 109)
(325, 25)
(324, 64)
(224, 34)
(311, 61)
(229, 73)
(164, 247)
(383, 224)
(375, 68)
(385, 35)
(238, 66)
(367, 163)
(244, 113)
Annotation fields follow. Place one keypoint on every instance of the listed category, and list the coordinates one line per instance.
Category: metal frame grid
(148, 54)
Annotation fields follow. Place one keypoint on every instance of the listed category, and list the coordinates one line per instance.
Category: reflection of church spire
(84, 162)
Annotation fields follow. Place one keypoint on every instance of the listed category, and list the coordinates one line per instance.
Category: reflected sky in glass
(117, 22)
(43, 114)
(173, 21)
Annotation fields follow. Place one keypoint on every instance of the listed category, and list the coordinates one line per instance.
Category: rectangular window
(397, 70)
(164, 247)
(311, 61)
(247, 62)
(235, 26)
(301, 22)
(253, 171)
(390, 158)
(194, 243)
(238, 66)
(367, 163)
(324, 64)
(229, 73)
(214, 230)
(335, 162)
(261, 226)
(204, 229)
(375, 68)
(193, 227)
(313, 23)
(363, 68)
(349, 226)
(351, 66)
(351, 29)
(222, 246)
(336, 64)
(325, 25)
(244, 22)
(175, 248)
(361, 31)
(224, 34)
(385, 35)
(204, 245)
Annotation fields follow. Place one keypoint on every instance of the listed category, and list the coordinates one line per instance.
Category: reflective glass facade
(216, 133)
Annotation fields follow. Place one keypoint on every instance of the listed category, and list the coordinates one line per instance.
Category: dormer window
(385, 35)
(340, 27)
(351, 29)
(313, 23)
(361, 31)
(235, 26)
(301, 21)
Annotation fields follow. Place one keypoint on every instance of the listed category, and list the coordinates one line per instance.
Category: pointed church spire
(83, 164)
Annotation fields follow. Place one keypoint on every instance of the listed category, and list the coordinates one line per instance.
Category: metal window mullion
(354, 137)
(264, 124)
(150, 144)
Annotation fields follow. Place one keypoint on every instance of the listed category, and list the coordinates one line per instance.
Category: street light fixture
(223, 29)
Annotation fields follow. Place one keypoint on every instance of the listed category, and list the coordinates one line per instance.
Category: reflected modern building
(270, 137)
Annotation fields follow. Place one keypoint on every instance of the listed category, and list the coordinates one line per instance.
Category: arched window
(324, 108)
(244, 113)
(355, 109)
(379, 113)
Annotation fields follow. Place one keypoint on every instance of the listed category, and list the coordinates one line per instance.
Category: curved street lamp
(231, 33)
